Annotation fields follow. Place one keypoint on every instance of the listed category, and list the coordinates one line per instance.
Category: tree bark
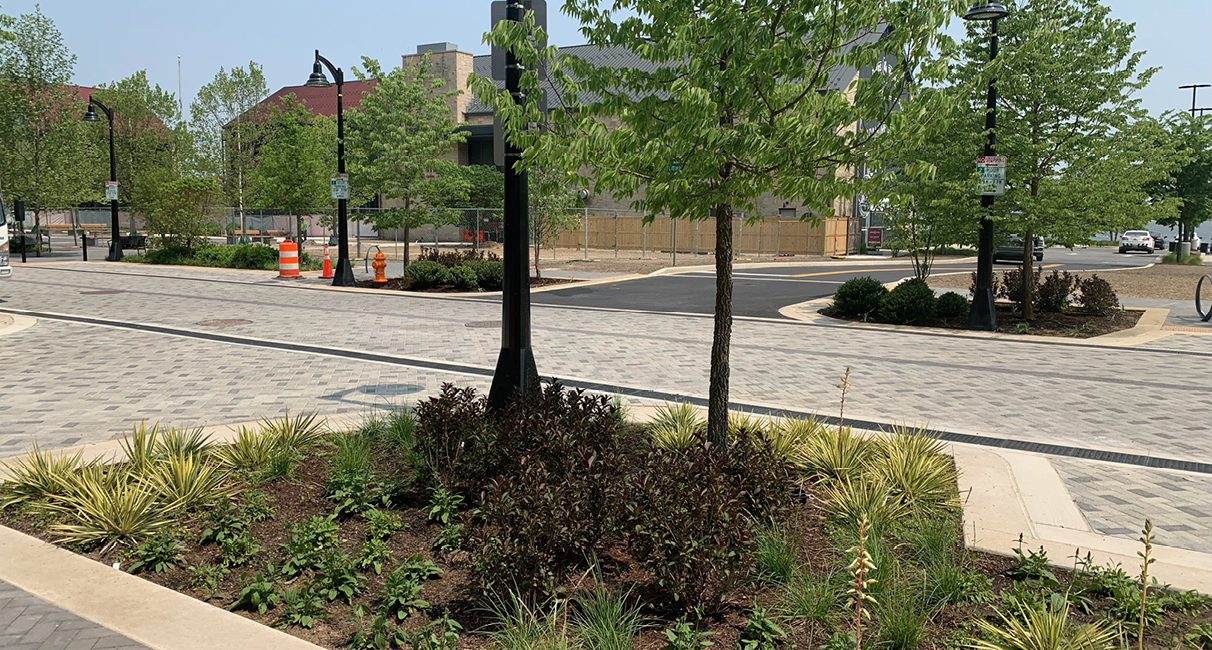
(1028, 279)
(717, 401)
(407, 244)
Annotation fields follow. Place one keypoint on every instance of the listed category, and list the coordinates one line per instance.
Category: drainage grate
(484, 324)
(224, 322)
(106, 292)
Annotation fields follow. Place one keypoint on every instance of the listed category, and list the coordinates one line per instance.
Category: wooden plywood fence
(770, 237)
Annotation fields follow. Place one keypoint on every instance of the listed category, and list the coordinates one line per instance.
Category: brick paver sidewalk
(30, 623)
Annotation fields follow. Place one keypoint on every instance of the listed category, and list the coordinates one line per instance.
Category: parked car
(1159, 241)
(1136, 240)
(1012, 249)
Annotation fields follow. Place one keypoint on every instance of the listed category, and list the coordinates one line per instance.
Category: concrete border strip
(16, 323)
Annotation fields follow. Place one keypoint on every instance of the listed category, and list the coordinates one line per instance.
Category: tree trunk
(717, 401)
(407, 245)
(37, 234)
(1028, 279)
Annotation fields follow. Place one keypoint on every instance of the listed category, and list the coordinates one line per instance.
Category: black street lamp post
(515, 369)
(115, 240)
(983, 315)
(343, 274)
(1182, 235)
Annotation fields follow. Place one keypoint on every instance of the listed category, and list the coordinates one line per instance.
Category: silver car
(1136, 240)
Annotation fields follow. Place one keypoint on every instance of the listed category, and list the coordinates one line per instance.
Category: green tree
(486, 186)
(1078, 161)
(398, 141)
(930, 184)
(733, 91)
(151, 144)
(551, 200)
(179, 214)
(226, 130)
(1191, 184)
(44, 159)
(295, 162)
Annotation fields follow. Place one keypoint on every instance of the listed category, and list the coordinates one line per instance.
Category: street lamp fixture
(986, 10)
(115, 240)
(343, 274)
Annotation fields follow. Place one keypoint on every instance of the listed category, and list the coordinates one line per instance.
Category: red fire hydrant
(380, 266)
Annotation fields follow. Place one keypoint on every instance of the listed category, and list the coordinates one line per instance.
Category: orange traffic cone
(327, 273)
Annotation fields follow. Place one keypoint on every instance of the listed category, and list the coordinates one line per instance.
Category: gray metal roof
(839, 79)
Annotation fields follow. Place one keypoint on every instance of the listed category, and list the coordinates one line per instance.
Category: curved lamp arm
(105, 109)
(337, 74)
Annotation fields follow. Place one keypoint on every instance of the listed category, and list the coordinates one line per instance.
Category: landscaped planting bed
(556, 524)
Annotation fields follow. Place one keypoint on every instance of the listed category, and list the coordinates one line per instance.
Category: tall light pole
(983, 315)
(515, 369)
(115, 240)
(1178, 251)
(343, 274)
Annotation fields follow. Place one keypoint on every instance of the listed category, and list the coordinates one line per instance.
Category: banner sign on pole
(340, 186)
(993, 175)
(111, 190)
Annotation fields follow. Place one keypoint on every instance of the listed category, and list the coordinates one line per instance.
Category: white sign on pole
(993, 175)
(340, 186)
(111, 190)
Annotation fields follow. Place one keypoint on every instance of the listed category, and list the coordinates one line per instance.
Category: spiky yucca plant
(864, 499)
(837, 454)
(675, 426)
(37, 476)
(188, 481)
(184, 443)
(298, 432)
(108, 510)
(141, 447)
(250, 451)
(915, 467)
(1042, 628)
(792, 438)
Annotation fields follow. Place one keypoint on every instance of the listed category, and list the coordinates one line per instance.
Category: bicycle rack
(1199, 308)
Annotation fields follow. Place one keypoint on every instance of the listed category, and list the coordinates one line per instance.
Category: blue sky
(113, 39)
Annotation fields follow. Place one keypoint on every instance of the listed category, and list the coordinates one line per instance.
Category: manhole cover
(101, 293)
(484, 323)
(224, 322)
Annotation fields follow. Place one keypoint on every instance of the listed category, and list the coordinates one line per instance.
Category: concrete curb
(13, 323)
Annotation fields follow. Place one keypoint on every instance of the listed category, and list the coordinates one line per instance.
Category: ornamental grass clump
(912, 464)
(38, 476)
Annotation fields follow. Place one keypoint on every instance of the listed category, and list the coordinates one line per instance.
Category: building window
(786, 213)
(479, 151)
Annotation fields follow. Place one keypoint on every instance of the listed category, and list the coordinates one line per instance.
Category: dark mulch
(1073, 324)
(401, 284)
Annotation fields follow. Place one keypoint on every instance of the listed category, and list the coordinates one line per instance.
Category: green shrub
(995, 284)
(463, 277)
(951, 305)
(307, 543)
(910, 302)
(1097, 296)
(761, 632)
(303, 606)
(401, 593)
(1012, 288)
(1192, 259)
(859, 297)
(258, 593)
(170, 255)
(158, 553)
(424, 274)
(901, 619)
(1055, 293)
(490, 274)
(381, 524)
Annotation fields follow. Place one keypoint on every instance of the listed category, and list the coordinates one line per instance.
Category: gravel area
(1165, 281)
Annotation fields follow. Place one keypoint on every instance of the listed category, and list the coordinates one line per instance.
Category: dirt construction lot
(1165, 281)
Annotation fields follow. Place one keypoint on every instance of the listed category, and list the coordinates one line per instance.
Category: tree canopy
(296, 161)
(225, 135)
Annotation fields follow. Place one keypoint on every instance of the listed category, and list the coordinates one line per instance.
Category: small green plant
(355, 493)
(258, 594)
(776, 557)
(351, 456)
(238, 549)
(307, 543)
(1200, 636)
(302, 606)
(809, 597)
(1187, 602)
(374, 554)
(401, 594)
(220, 523)
(604, 620)
(523, 624)
(449, 538)
(381, 524)
(686, 636)
(902, 619)
(336, 577)
(158, 553)
(841, 641)
(280, 464)
(861, 584)
(206, 577)
(1032, 566)
(761, 632)
(444, 505)
(380, 634)
(1022, 328)
(258, 506)
(440, 634)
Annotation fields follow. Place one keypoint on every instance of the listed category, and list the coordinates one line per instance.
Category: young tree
(730, 101)
(1191, 184)
(398, 140)
(43, 154)
(1076, 165)
(179, 212)
(550, 202)
(486, 194)
(295, 163)
(224, 130)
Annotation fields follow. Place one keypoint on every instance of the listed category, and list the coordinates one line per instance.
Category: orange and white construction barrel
(288, 259)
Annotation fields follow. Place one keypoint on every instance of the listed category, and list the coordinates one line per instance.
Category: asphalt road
(761, 292)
